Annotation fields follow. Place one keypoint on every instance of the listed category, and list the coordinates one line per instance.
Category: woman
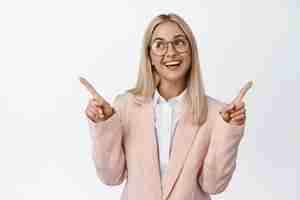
(165, 137)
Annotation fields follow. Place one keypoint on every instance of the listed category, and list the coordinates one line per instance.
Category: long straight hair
(148, 79)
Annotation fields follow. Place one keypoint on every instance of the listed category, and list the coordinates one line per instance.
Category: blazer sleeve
(220, 161)
(108, 150)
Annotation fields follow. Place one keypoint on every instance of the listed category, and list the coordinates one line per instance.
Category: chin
(173, 77)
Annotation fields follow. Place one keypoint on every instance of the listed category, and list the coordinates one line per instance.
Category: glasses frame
(167, 46)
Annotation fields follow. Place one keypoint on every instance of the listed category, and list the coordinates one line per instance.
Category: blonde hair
(148, 79)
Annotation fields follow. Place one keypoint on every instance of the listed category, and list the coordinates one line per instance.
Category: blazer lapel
(151, 157)
(183, 139)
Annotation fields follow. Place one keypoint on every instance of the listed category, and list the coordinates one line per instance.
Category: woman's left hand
(235, 112)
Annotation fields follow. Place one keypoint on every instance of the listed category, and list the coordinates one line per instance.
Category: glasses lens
(181, 44)
(158, 47)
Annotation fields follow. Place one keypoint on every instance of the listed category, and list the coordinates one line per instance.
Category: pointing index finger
(91, 89)
(243, 92)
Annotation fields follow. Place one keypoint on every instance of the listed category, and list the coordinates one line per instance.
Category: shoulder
(214, 104)
(121, 98)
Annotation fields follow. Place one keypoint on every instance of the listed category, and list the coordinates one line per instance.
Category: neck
(169, 89)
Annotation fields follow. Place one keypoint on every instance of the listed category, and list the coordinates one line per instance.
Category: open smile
(172, 64)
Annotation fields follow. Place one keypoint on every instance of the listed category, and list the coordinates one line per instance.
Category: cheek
(155, 61)
(187, 60)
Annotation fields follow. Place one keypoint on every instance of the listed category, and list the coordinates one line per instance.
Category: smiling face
(170, 52)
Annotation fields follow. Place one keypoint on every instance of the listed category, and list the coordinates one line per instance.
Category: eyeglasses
(160, 46)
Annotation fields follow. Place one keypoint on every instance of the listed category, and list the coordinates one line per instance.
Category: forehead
(167, 31)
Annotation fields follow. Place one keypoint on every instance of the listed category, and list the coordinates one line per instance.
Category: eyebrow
(179, 35)
(176, 36)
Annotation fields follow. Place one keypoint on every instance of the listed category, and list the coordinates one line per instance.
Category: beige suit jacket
(202, 161)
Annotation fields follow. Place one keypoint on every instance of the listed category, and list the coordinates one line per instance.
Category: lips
(172, 64)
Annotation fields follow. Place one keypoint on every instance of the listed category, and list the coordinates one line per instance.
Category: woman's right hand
(98, 109)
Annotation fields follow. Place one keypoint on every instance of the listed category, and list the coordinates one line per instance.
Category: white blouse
(167, 114)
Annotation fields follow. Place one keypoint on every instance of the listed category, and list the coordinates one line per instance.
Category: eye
(179, 42)
(158, 44)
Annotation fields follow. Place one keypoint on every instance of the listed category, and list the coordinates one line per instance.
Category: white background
(45, 148)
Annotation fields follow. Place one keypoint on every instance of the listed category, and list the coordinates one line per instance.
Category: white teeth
(173, 63)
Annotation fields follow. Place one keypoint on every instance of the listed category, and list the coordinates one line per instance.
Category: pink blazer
(202, 161)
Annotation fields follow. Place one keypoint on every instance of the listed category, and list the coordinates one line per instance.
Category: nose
(170, 50)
